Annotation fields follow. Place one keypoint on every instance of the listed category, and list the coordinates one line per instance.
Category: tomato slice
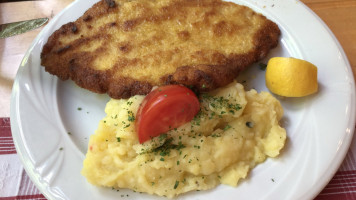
(164, 109)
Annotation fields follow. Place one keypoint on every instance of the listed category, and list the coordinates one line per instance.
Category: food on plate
(124, 48)
(232, 133)
(165, 108)
(291, 77)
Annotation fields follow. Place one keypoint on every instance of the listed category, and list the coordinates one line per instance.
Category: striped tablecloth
(15, 184)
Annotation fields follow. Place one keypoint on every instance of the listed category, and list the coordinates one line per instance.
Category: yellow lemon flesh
(291, 77)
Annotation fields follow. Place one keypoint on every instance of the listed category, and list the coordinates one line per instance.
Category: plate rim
(325, 179)
(352, 116)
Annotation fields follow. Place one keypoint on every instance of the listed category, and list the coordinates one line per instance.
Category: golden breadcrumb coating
(125, 47)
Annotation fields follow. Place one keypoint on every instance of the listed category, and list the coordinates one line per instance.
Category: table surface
(339, 15)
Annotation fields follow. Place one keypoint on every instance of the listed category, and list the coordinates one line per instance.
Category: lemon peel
(291, 77)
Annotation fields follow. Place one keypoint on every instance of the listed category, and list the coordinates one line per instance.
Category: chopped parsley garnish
(118, 139)
(236, 107)
(176, 185)
(131, 117)
(167, 146)
(164, 153)
(220, 104)
(197, 118)
(263, 66)
(162, 137)
(215, 135)
(227, 127)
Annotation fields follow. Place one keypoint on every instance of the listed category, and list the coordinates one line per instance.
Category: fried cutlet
(125, 47)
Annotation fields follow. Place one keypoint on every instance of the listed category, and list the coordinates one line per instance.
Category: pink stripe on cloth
(25, 189)
(29, 197)
(26, 186)
(341, 186)
(6, 142)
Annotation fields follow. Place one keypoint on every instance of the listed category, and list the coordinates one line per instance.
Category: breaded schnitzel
(125, 47)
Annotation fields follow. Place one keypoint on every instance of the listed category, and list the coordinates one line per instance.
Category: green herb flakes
(227, 127)
(196, 120)
(176, 185)
(263, 66)
(215, 135)
(162, 137)
(131, 117)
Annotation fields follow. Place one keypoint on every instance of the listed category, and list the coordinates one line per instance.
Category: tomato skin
(164, 109)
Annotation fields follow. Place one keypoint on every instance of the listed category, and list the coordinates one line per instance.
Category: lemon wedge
(291, 77)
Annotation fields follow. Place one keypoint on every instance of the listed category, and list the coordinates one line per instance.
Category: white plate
(320, 127)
